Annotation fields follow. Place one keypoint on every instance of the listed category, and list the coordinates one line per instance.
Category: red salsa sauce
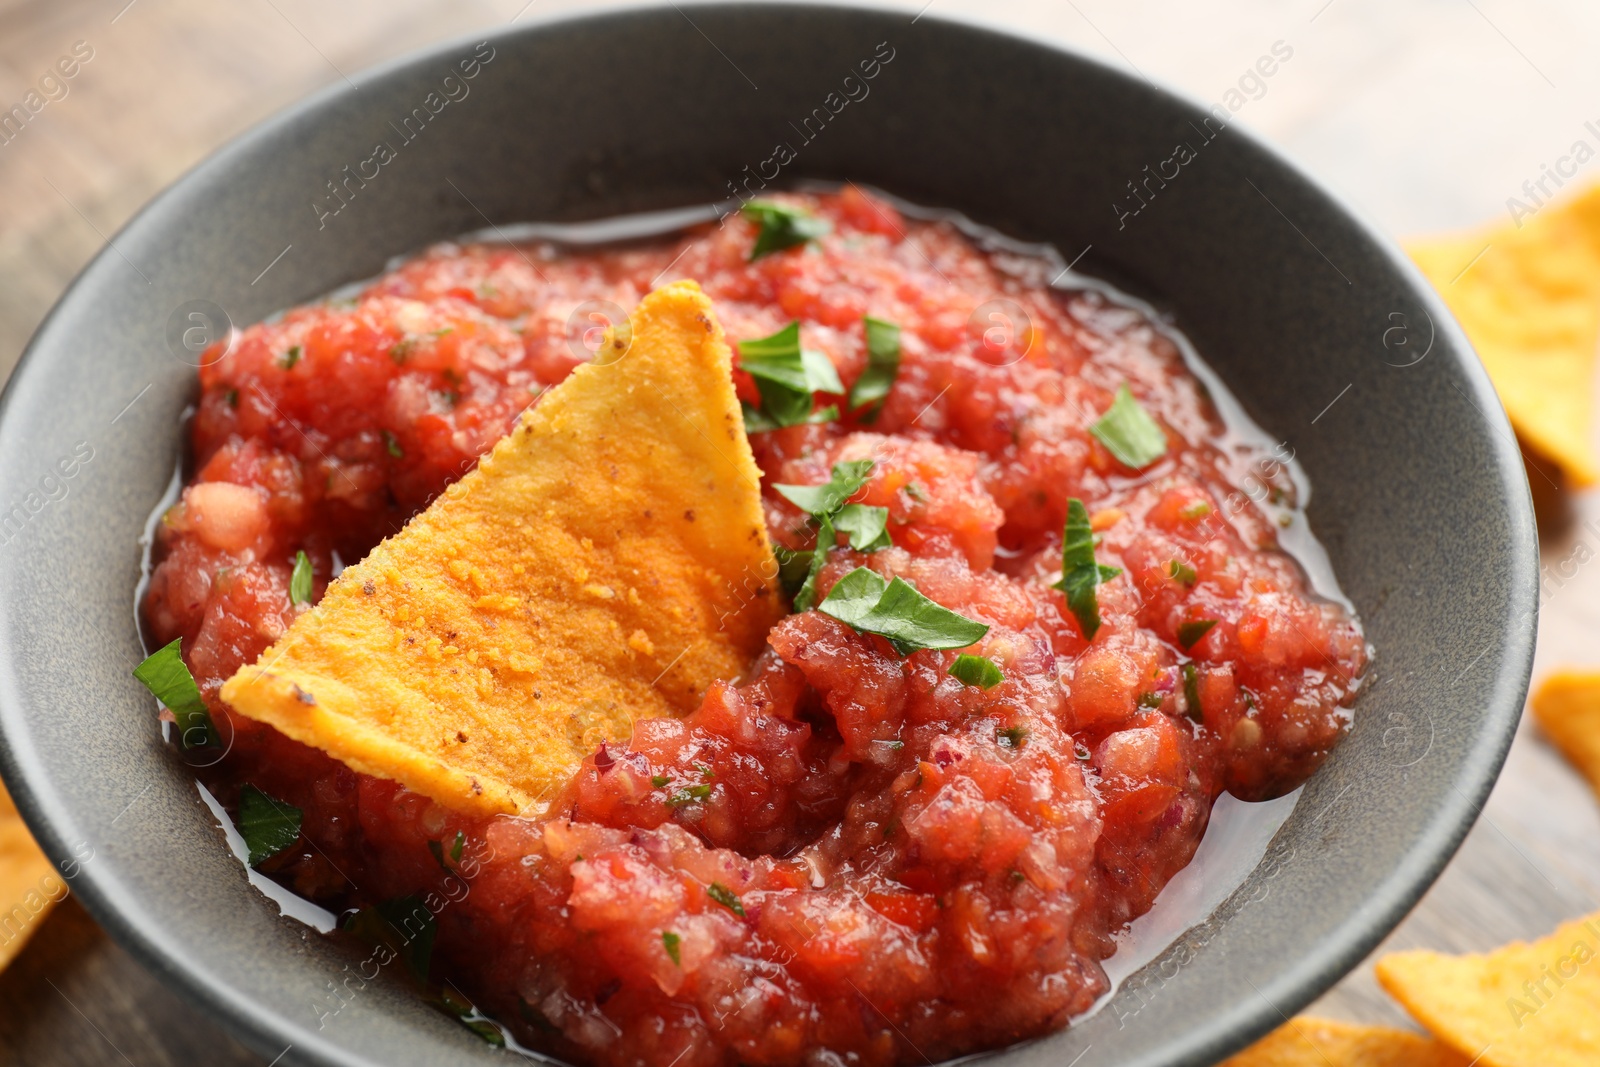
(847, 856)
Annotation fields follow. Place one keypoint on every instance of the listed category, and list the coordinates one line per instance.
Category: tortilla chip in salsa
(606, 562)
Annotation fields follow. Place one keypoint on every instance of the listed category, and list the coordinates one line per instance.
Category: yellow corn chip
(1524, 1005)
(29, 884)
(1307, 1042)
(1529, 301)
(1567, 707)
(606, 562)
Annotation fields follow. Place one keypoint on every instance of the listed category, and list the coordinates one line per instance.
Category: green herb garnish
(1149, 700)
(1191, 692)
(868, 527)
(437, 848)
(845, 480)
(782, 226)
(883, 365)
(793, 568)
(1194, 512)
(688, 795)
(391, 444)
(404, 924)
(1012, 736)
(1192, 630)
(167, 677)
(232, 397)
(268, 826)
(806, 597)
(1181, 572)
(1080, 574)
(300, 580)
(897, 612)
(976, 670)
(725, 896)
(670, 942)
(660, 781)
(786, 376)
(1128, 431)
(467, 1013)
(291, 357)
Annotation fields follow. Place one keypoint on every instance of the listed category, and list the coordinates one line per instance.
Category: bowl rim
(266, 1031)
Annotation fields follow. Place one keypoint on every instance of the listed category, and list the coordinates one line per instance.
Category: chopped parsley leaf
(291, 357)
(437, 848)
(1150, 700)
(405, 925)
(782, 226)
(688, 795)
(1080, 574)
(845, 480)
(670, 942)
(268, 826)
(883, 365)
(1181, 572)
(725, 896)
(1012, 736)
(1192, 630)
(786, 376)
(1194, 512)
(976, 670)
(1191, 692)
(916, 492)
(807, 596)
(1128, 431)
(467, 1013)
(167, 677)
(391, 444)
(793, 568)
(867, 526)
(300, 580)
(660, 781)
(897, 612)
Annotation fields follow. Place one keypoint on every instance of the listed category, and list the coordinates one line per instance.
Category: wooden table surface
(1426, 114)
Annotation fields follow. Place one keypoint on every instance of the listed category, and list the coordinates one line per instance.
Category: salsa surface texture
(848, 856)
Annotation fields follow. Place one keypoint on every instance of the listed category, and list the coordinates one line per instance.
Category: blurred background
(1426, 115)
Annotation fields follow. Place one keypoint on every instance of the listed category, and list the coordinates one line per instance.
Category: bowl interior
(1332, 343)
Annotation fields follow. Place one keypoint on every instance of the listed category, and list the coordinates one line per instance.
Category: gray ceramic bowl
(1419, 491)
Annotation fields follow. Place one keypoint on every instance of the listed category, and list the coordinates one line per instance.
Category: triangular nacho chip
(29, 884)
(1307, 1042)
(1567, 707)
(1524, 1005)
(606, 562)
(1528, 298)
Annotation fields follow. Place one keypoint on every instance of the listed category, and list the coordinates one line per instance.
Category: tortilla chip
(1567, 707)
(1525, 1005)
(606, 562)
(29, 884)
(1529, 301)
(1308, 1042)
